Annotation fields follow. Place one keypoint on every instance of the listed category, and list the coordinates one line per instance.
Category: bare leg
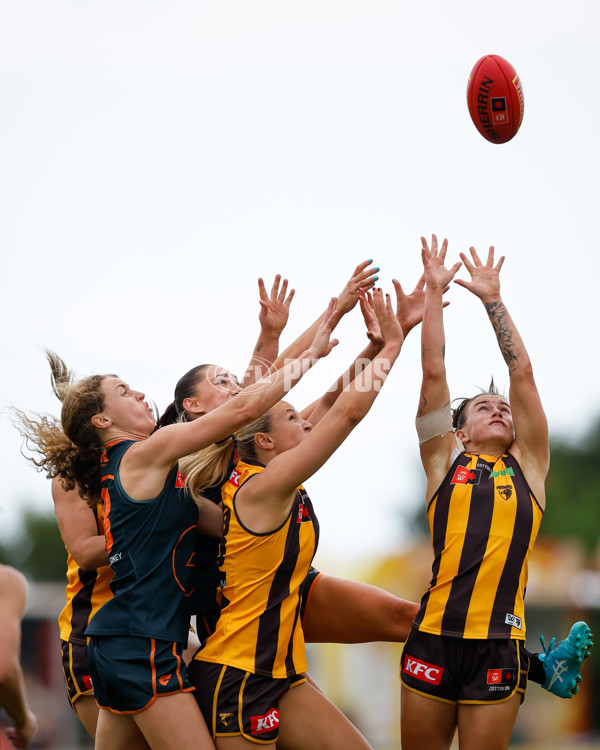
(240, 743)
(310, 721)
(487, 727)
(87, 709)
(174, 721)
(426, 724)
(115, 732)
(341, 611)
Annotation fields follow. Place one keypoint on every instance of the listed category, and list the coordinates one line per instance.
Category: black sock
(536, 668)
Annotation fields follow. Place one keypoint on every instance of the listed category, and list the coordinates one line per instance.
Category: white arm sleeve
(435, 424)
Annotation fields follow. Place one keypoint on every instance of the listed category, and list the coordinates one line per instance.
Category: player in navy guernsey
(106, 445)
(464, 664)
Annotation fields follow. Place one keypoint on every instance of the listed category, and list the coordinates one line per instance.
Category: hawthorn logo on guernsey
(464, 475)
(505, 491)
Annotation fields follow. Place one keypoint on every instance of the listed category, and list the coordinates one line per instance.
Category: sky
(157, 157)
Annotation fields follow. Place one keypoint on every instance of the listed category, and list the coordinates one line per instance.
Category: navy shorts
(129, 672)
(462, 670)
(76, 670)
(306, 590)
(234, 702)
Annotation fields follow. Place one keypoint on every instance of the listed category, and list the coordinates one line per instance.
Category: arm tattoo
(497, 315)
(258, 346)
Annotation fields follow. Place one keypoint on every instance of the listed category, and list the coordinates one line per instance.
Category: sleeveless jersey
(259, 628)
(484, 520)
(206, 571)
(87, 591)
(151, 551)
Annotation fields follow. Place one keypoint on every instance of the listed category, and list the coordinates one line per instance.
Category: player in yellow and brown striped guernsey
(245, 671)
(87, 590)
(464, 663)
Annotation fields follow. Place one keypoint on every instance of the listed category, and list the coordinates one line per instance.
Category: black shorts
(462, 670)
(76, 670)
(234, 702)
(130, 672)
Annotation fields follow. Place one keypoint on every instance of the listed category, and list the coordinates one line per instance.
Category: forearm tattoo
(497, 314)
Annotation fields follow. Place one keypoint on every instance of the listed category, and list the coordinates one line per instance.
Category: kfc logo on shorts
(422, 670)
(87, 681)
(266, 723)
(464, 475)
(235, 478)
(500, 676)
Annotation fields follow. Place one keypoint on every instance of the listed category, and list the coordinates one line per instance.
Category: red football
(495, 99)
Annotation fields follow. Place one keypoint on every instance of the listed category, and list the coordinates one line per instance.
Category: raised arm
(13, 698)
(362, 279)
(274, 488)
(78, 527)
(147, 462)
(317, 410)
(273, 316)
(436, 445)
(529, 419)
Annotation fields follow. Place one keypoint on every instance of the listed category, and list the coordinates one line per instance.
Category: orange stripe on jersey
(105, 495)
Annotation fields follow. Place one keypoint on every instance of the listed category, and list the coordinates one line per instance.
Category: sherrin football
(495, 99)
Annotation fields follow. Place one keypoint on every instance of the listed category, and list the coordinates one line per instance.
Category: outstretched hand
(485, 280)
(409, 307)
(370, 317)
(362, 279)
(322, 345)
(391, 330)
(274, 308)
(437, 276)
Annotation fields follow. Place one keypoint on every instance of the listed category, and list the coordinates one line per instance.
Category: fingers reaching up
(274, 308)
(485, 279)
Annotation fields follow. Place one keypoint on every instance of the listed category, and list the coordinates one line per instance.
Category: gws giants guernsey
(259, 627)
(484, 520)
(87, 591)
(151, 551)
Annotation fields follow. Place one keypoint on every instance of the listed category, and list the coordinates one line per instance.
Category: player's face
(489, 418)
(288, 429)
(216, 387)
(126, 409)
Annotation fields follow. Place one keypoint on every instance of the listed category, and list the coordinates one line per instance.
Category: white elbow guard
(435, 424)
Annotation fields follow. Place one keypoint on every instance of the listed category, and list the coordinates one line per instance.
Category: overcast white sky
(157, 157)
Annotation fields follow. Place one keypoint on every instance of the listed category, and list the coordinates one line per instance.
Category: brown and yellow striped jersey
(484, 520)
(87, 591)
(259, 628)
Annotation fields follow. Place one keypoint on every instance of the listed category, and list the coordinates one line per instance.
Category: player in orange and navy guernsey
(106, 445)
(464, 663)
(250, 674)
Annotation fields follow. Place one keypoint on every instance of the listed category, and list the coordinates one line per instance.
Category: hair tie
(229, 437)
